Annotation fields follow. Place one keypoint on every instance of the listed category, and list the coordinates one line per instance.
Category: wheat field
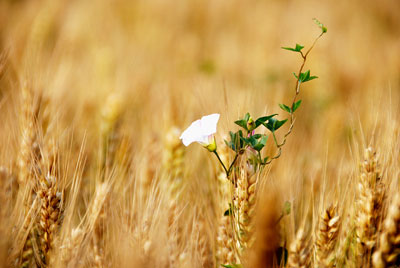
(94, 96)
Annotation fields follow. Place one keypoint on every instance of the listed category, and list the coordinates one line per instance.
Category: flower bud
(251, 125)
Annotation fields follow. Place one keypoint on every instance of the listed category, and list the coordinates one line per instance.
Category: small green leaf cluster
(239, 142)
(290, 109)
(298, 48)
(320, 25)
(304, 77)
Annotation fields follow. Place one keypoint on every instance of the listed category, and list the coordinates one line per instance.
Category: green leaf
(285, 107)
(258, 147)
(236, 144)
(257, 136)
(298, 48)
(264, 119)
(320, 25)
(242, 123)
(278, 123)
(237, 141)
(252, 141)
(264, 139)
(287, 207)
(232, 265)
(304, 77)
(274, 124)
(296, 105)
(246, 117)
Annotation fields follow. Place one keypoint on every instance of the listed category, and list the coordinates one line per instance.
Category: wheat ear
(389, 247)
(225, 252)
(370, 198)
(327, 236)
(245, 204)
(300, 253)
(50, 212)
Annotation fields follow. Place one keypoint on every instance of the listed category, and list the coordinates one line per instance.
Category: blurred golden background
(163, 64)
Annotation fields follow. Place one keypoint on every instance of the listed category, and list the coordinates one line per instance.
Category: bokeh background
(177, 60)
(167, 63)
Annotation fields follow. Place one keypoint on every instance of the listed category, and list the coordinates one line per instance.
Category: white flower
(202, 131)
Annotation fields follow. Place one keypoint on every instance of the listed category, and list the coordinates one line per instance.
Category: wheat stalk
(327, 236)
(69, 250)
(370, 198)
(203, 244)
(245, 200)
(97, 218)
(28, 150)
(299, 252)
(267, 233)
(225, 241)
(389, 247)
(50, 212)
(4, 211)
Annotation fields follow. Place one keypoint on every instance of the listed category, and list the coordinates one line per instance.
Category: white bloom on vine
(202, 131)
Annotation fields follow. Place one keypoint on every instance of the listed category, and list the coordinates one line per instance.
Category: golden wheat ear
(300, 250)
(369, 206)
(389, 242)
(327, 236)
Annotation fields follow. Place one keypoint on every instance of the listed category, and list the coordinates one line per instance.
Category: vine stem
(297, 92)
(227, 171)
(220, 161)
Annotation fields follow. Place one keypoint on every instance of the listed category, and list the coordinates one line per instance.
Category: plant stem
(219, 159)
(231, 166)
(297, 92)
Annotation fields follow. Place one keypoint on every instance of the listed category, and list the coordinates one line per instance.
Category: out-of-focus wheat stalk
(173, 181)
(4, 211)
(96, 224)
(267, 235)
(95, 174)
(28, 162)
(70, 250)
(203, 243)
(109, 126)
(369, 206)
(388, 250)
(300, 250)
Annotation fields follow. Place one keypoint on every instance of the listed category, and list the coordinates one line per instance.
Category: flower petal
(192, 133)
(209, 124)
(200, 130)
